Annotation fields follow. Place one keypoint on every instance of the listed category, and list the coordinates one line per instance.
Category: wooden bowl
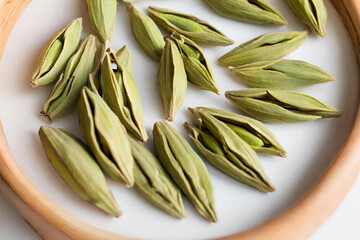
(307, 214)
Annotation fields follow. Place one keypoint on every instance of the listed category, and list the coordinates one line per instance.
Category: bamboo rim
(307, 214)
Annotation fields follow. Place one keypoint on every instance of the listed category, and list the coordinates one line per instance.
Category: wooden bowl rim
(298, 222)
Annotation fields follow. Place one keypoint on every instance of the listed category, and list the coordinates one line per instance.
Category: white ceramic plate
(310, 145)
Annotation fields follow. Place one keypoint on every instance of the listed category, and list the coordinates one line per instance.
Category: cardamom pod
(172, 79)
(94, 76)
(154, 183)
(224, 149)
(190, 26)
(75, 164)
(62, 99)
(94, 82)
(106, 137)
(185, 167)
(258, 11)
(122, 95)
(124, 58)
(253, 132)
(147, 33)
(311, 12)
(281, 74)
(56, 53)
(103, 17)
(267, 47)
(280, 106)
(198, 69)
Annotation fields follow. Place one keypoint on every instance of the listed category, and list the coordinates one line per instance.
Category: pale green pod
(234, 164)
(94, 82)
(267, 47)
(185, 167)
(189, 26)
(147, 33)
(124, 58)
(172, 79)
(281, 74)
(106, 137)
(103, 17)
(280, 106)
(258, 11)
(233, 144)
(198, 69)
(56, 53)
(152, 181)
(248, 137)
(94, 78)
(75, 164)
(253, 132)
(66, 92)
(122, 95)
(311, 12)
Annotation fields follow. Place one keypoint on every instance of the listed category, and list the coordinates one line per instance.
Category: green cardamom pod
(122, 95)
(94, 76)
(56, 53)
(280, 106)
(106, 137)
(190, 26)
(267, 47)
(251, 139)
(75, 164)
(185, 167)
(281, 74)
(154, 183)
(94, 82)
(198, 69)
(66, 92)
(103, 17)
(224, 149)
(124, 58)
(311, 12)
(147, 33)
(253, 132)
(255, 11)
(172, 79)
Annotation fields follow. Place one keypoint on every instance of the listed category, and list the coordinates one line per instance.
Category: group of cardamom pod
(98, 80)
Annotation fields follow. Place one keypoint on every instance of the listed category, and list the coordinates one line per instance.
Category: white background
(310, 145)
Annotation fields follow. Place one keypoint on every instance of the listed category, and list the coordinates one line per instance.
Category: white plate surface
(310, 145)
